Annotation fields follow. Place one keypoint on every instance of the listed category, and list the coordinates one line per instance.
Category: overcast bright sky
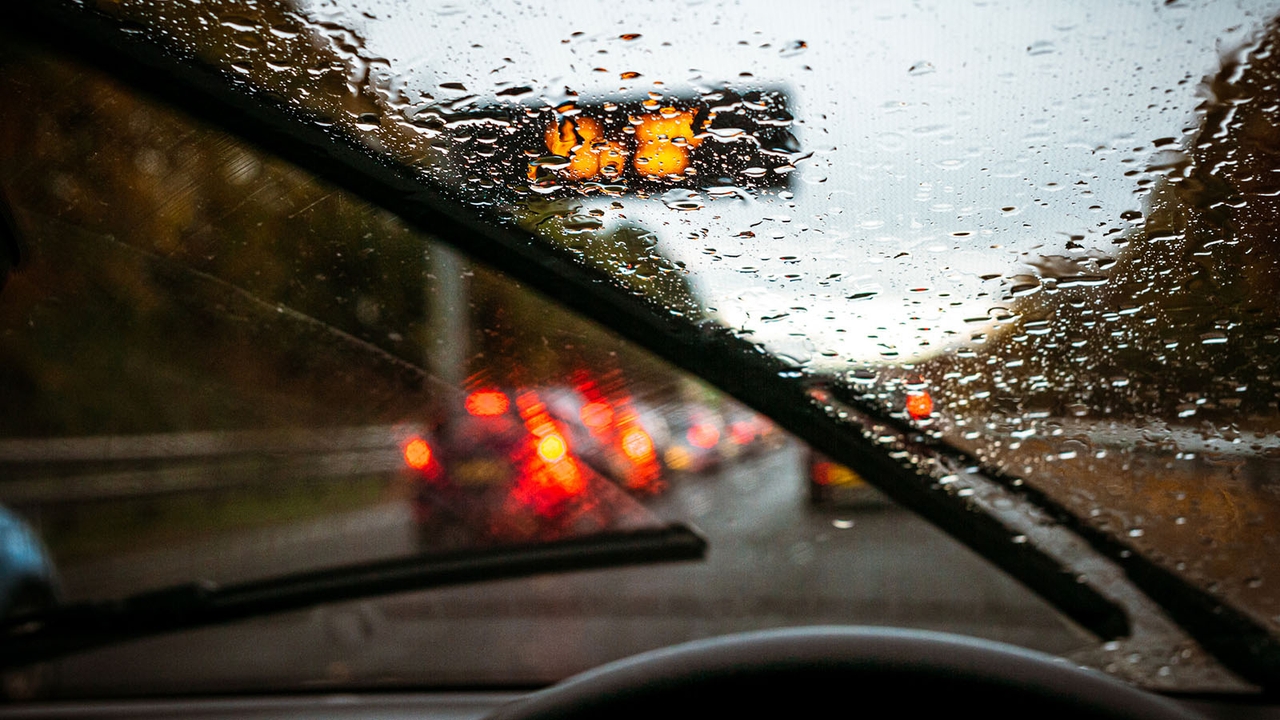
(950, 140)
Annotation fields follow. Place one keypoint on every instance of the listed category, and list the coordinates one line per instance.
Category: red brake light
(552, 447)
(567, 478)
(597, 415)
(487, 403)
(417, 453)
(637, 444)
(822, 473)
(919, 405)
(703, 436)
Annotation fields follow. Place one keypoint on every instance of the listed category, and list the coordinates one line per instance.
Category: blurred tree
(1186, 325)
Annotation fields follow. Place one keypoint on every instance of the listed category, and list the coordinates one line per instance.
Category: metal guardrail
(64, 470)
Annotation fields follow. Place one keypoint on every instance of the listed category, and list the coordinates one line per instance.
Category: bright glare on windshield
(942, 155)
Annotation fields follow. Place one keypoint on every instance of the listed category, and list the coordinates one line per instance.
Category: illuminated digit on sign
(663, 141)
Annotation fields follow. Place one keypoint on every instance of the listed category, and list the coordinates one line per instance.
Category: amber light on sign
(590, 154)
(662, 143)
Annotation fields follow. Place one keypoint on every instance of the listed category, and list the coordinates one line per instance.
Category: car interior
(449, 360)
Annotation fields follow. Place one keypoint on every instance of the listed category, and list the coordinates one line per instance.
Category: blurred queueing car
(610, 434)
(830, 483)
(499, 467)
(531, 463)
(695, 439)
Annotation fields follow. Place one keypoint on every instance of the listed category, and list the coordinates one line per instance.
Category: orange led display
(663, 141)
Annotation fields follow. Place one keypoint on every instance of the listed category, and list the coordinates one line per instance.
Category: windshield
(1010, 264)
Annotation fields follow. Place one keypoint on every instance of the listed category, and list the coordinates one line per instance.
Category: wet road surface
(774, 560)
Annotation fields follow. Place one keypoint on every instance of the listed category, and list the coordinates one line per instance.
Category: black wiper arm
(75, 628)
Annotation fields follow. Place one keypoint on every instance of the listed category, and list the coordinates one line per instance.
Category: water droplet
(681, 199)
(861, 377)
(515, 91)
(579, 224)
(1042, 47)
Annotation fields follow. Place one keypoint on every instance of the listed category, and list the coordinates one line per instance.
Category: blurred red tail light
(417, 453)
(637, 444)
(597, 415)
(552, 447)
(919, 405)
(487, 403)
(821, 472)
(567, 477)
(703, 436)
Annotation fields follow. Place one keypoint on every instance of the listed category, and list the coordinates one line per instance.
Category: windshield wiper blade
(78, 627)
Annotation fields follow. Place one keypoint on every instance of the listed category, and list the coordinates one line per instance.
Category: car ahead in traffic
(696, 439)
(609, 433)
(500, 468)
(829, 483)
(164, 283)
(749, 433)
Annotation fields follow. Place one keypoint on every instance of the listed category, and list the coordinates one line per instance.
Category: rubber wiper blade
(75, 628)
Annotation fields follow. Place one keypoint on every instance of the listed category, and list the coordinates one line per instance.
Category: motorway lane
(774, 560)
(383, 531)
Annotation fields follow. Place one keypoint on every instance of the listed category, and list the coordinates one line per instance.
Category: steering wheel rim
(912, 672)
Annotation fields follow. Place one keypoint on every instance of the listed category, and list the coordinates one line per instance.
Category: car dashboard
(413, 705)
(741, 673)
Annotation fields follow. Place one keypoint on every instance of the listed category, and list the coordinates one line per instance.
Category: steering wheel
(842, 672)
